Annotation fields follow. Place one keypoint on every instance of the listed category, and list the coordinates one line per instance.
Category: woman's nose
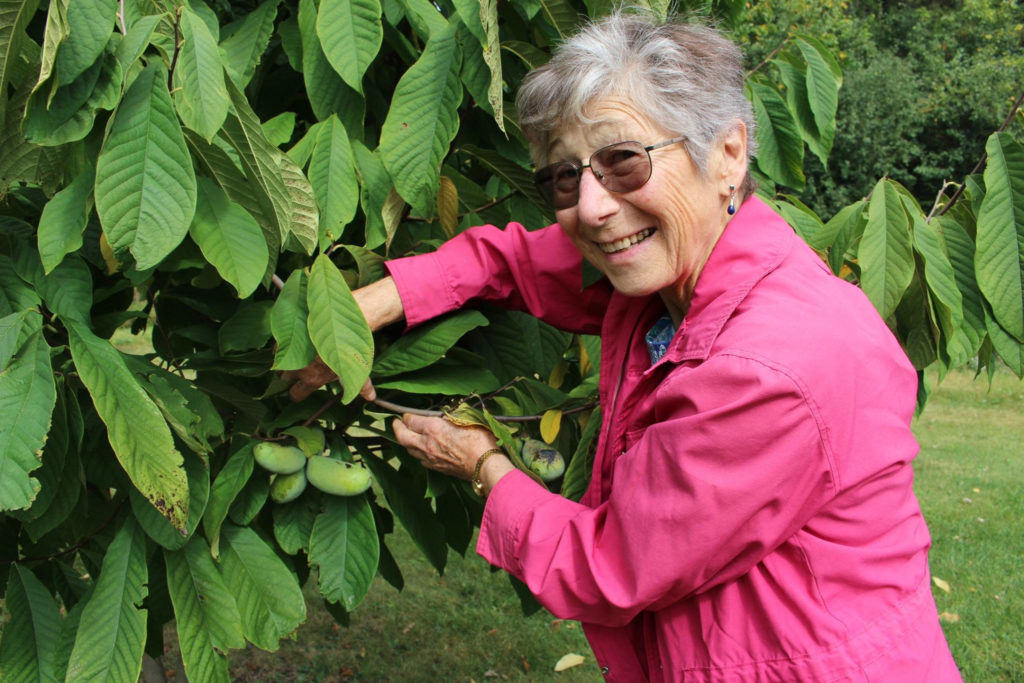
(596, 202)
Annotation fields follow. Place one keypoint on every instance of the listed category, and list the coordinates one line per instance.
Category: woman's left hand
(443, 446)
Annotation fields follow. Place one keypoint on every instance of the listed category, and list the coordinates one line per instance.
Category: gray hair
(685, 77)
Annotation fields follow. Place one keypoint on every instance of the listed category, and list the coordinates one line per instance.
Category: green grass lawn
(467, 625)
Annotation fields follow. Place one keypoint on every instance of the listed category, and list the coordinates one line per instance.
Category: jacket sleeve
(736, 463)
(535, 271)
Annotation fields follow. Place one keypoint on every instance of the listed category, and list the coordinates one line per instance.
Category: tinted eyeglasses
(621, 167)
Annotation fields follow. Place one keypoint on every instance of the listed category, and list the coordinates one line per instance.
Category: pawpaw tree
(189, 193)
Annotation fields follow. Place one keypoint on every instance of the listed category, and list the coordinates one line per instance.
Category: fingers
(442, 446)
(368, 392)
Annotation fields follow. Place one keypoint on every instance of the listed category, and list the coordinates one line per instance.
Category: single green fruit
(287, 487)
(336, 477)
(278, 458)
(543, 460)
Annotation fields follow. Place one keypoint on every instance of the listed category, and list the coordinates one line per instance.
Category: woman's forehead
(605, 123)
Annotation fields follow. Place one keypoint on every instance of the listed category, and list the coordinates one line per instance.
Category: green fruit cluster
(543, 460)
(293, 471)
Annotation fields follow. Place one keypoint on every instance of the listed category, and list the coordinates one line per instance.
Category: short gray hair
(687, 78)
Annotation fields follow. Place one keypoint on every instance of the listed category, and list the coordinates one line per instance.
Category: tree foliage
(188, 194)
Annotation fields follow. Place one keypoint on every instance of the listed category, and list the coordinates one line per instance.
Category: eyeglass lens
(621, 167)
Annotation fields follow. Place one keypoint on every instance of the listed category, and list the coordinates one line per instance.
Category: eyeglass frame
(597, 174)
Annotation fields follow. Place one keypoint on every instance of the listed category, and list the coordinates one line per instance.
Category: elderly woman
(750, 515)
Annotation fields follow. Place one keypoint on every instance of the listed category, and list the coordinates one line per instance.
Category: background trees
(203, 184)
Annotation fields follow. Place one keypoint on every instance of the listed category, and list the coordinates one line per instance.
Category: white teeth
(625, 242)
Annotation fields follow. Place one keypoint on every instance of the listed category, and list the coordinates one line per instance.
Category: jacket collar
(752, 245)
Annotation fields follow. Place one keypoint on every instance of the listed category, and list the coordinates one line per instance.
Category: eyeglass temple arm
(651, 148)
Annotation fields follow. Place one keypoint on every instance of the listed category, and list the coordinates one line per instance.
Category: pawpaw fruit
(278, 458)
(543, 460)
(336, 477)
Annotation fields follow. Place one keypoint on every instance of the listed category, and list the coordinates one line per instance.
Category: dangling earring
(732, 199)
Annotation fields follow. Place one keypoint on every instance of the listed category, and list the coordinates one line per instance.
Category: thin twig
(398, 408)
(277, 282)
(120, 17)
(322, 409)
(766, 59)
(984, 156)
(76, 546)
(938, 200)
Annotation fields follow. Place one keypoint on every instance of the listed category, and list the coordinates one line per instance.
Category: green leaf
(304, 220)
(374, 187)
(137, 431)
(288, 325)
(229, 482)
(326, 90)
(27, 398)
(885, 255)
(577, 474)
(67, 290)
(202, 100)
(279, 129)
(406, 496)
(793, 73)
(422, 121)
(293, 523)
(12, 328)
(57, 30)
(145, 186)
(90, 24)
(268, 595)
(29, 646)
(156, 525)
(999, 260)
(109, 645)
(205, 613)
(350, 32)
(63, 220)
(562, 16)
(345, 548)
(68, 114)
(70, 483)
(337, 327)
(229, 237)
(512, 173)
(241, 51)
(14, 18)
(453, 379)
(333, 177)
(780, 150)
(824, 78)
(135, 42)
(426, 344)
(938, 275)
(248, 328)
(847, 226)
(960, 249)
(529, 53)
(806, 223)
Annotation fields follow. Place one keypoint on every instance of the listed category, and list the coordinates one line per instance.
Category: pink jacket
(750, 515)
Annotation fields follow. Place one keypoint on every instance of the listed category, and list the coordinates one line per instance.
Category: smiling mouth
(625, 242)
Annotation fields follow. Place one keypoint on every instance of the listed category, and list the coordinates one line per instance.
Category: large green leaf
(241, 51)
(293, 523)
(90, 24)
(229, 482)
(145, 185)
(406, 495)
(351, 33)
(205, 613)
(960, 249)
(28, 650)
(229, 237)
(288, 325)
(452, 379)
(422, 121)
(426, 344)
(12, 329)
(327, 91)
(57, 30)
(885, 254)
(481, 20)
(824, 78)
(793, 74)
(512, 173)
(332, 174)
(847, 226)
(345, 548)
(561, 15)
(806, 223)
(68, 114)
(780, 150)
(14, 17)
(67, 290)
(27, 397)
(268, 595)
(109, 644)
(577, 474)
(137, 431)
(156, 525)
(337, 327)
(202, 100)
(63, 220)
(938, 275)
(999, 260)
(374, 188)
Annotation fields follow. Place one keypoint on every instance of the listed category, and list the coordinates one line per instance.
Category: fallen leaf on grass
(568, 661)
(526, 664)
(940, 583)
(949, 617)
(408, 627)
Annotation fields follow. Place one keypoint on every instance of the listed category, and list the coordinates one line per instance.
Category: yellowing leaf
(550, 424)
(941, 584)
(949, 617)
(568, 661)
(448, 206)
(108, 255)
(557, 375)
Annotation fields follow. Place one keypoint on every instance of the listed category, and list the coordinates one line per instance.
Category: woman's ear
(731, 156)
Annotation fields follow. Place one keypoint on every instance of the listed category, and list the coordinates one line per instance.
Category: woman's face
(655, 238)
